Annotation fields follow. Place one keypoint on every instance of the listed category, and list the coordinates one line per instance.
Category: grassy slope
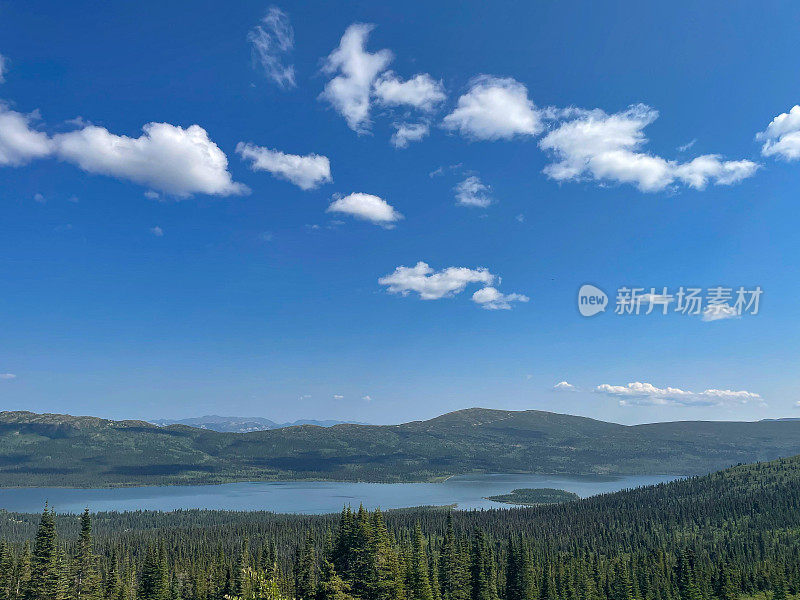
(86, 451)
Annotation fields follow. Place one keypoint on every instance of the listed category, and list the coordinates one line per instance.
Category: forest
(727, 535)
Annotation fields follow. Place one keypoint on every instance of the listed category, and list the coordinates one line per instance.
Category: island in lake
(531, 497)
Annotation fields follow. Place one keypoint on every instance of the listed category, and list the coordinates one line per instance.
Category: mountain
(38, 450)
(240, 424)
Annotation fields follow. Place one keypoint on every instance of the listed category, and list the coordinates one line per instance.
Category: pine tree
(306, 582)
(112, 582)
(384, 578)
(452, 573)
(779, 587)
(243, 585)
(86, 583)
(47, 575)
(331, 586)
(420, 585)
(151, 582)
(22, 585)
(548, 587)
(726, 589)
(687, 582)
(6, 571)
(621, 588)
(479, 569)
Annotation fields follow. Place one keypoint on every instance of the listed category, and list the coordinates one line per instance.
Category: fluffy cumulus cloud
(473, 192)
(717, 312)
(493, 109)
(430, 284)
(306, 172)
(646, 394)
(491, 298)
(405, 133)
(7, 376)
(366, 207)
(165, 158)
(564, 386)
(608, 148)
(782, 136)
(272, 41)
(422, 91)
(356, 70)
(20, 143)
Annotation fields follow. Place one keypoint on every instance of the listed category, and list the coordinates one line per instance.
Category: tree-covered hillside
(85, 451)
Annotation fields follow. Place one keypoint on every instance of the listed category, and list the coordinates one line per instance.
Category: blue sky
(221, 208)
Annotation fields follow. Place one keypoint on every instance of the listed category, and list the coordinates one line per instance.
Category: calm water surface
(312, 497)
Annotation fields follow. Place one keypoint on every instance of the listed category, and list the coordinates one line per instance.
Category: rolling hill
(61, 450)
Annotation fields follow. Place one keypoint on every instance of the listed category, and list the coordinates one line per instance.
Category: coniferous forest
(731, 534)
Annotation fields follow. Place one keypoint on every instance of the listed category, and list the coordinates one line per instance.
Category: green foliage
(534, 496)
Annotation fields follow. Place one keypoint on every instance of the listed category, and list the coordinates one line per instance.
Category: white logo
(591, 300)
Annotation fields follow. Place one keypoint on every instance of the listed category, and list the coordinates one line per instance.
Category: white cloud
(409, 132)
(716, 312)
(338, 397)
(494, 108)
(349, 91)
(422, 91)
(433, 285)
(271, 42)
(39, 198)
(157, 231)
(166, 158)
(604, 147)
(687, 145)
(366, 398)
(564, 386)
(473, 192)
(19, 143)
(3, 68)
(306, 172)
(782, 136)
(646, 394)
(150, 194)
(367, 207)
(7, 376)
(492, 299)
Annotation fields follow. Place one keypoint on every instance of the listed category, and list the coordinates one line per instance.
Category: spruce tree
(332, 586)
(6, 571)
(306, 581)
(151, 582)
(420, 585)
(47, 576)
(451, 567)
(86, 583)
(479, 568)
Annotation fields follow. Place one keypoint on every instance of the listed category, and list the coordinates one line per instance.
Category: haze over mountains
(240, 424)
(62, 450)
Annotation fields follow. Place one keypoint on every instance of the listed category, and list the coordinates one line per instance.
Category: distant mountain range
(62, 450)
(240, 424)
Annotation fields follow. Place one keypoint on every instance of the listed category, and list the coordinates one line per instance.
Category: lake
(312, 497)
